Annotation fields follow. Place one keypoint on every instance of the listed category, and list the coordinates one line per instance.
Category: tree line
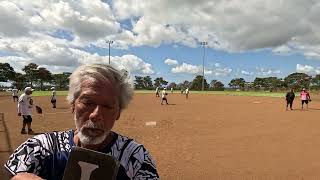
(34, 76)
(42, 79)
(295, 81)
(145, 82)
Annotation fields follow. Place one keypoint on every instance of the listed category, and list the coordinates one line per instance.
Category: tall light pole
(203, 43)
(109, 42)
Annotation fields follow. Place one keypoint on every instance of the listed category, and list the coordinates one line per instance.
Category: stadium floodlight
(203, 43)
(109, 42)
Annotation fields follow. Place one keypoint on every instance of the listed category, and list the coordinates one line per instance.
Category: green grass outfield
(230, 93)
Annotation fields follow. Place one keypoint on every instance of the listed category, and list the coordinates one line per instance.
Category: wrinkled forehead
(104, 84)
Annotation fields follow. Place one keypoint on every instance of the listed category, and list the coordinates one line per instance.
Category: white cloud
(44, 50)
(88, 21)
(13, 21)
(57, 56)
(267, 72)
(251, 24)
(217, 65)
(310, 70)
(134, 64)
(185, 68)
(171, 62)
(247, 73)
(131, 63)
(284, 49)
(222, 71)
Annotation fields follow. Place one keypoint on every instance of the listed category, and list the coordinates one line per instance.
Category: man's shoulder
(51, 139)
(133, 152)
(122, 140)
(129, 148)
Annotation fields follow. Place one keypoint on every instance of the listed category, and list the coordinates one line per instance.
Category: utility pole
(109, 42)
(203, 43)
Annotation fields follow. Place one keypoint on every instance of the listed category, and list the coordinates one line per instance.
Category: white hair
(100, 72)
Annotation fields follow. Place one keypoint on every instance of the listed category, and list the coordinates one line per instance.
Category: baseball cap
(303, 89)
(28, 89)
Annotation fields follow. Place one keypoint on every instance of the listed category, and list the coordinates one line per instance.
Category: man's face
(96, 110)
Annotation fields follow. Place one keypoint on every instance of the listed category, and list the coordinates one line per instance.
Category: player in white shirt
(25, 104)
(15, 94)
(53, 98)
(157, 92)
(164, 95)
(187, 93)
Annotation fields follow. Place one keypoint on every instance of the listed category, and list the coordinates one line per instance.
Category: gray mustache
(90, 124)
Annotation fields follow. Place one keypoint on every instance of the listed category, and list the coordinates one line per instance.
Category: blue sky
(161, 38)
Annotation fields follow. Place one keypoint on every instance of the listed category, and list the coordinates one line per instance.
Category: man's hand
(26, 176)
(19, 114)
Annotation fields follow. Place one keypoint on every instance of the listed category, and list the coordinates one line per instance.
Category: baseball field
(208, 136)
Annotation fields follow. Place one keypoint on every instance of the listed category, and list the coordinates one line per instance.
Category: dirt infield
(204, 137)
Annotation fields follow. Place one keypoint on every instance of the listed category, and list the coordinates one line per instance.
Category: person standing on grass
(290, 98)
(25, 104)
(15, 94)
(305, 97)
(53, 97)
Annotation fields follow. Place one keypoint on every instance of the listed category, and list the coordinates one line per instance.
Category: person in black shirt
(289, 98)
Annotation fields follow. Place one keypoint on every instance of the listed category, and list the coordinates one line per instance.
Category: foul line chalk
(151, 123)
(256, 102)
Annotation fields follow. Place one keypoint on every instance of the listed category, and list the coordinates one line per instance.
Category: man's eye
(88, 103)
(108, 106)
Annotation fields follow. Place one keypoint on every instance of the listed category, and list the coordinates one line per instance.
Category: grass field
(230, 93)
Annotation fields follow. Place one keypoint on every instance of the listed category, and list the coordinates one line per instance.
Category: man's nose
(96, 114)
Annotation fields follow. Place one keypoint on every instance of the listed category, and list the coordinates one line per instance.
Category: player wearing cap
(305, 97)
(164, 96)
(53, 97)
(15, 94)
(25, 104)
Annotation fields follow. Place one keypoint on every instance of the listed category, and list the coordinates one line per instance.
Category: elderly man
(97, 95)
(25, 104)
